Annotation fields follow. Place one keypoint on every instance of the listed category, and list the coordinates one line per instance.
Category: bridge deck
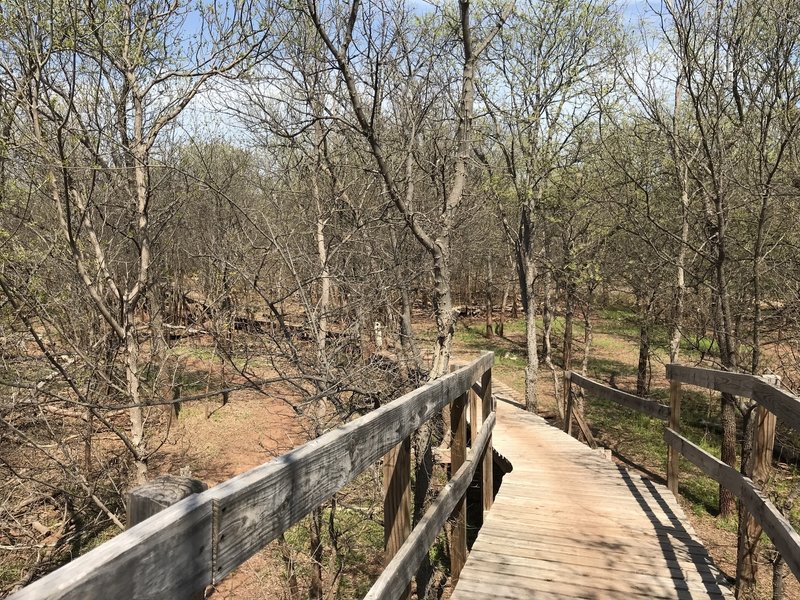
(568, 523)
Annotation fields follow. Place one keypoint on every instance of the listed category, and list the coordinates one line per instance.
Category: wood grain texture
(673, 457)
(643, 405)
(458, 455)
(154, 496)
(396, 498)
(196, 542)
(166, 556)
(775, 525)
(763, 389)
(255, 507)
(783, 404)
(738, 384)
(487, 468)
(397, 575)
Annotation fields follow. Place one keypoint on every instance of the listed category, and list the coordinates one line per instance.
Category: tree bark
(315, 586)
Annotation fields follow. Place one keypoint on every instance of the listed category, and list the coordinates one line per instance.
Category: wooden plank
(526, 528)
(590, 581)
(397, 575)
(475, 415)
(532, 585)
(644, 556)
(750, 530)
(458, 455)
(600, 575)
(643, 405)
(165, 556)
(585, 429)
(487, 469)
(253, 508)
(776, 526)
(397, 501)
(783, 404)
(763, 445)
(738, 384)
(154, 496)
(673, 458)
(477, 389)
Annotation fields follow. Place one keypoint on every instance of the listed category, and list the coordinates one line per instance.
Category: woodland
(298, 189)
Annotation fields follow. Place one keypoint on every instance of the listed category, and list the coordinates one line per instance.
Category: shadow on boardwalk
(568, 523)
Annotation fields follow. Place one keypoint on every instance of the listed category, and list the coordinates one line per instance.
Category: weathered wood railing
(195, 543)
(771, 402)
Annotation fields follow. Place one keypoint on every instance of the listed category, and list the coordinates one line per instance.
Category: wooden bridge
(565, 523)
(580, 528)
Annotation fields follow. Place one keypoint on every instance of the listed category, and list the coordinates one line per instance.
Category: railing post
(458, 454)
(397, 500)
(160, 493)
(673, 456)
(156, 495)
(475, 416)
(749, 529)
(568, 401)
(487, 407)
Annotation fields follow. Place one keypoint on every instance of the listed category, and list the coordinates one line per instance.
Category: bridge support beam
(397, 501)
(458, 454)
(487, 475)
(673, 455)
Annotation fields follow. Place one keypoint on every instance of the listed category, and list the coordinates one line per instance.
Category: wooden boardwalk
(568, 523)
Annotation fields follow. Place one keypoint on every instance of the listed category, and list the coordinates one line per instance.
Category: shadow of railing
(667, 532)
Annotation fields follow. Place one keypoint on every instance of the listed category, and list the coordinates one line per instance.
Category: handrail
(777, 527)
(644, 405)
(402, 568)
(201, 539)
(760, 514)
(783, 404)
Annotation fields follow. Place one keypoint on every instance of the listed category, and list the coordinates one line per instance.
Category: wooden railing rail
(195, 543)
(775, 525)
(644, 405)
(398, 573)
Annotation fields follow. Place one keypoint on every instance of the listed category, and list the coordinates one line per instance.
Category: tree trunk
(682, 177)
(747, 544)
(643, 366)
(569, 300)
(587, 333)
(723, 324)
(291, 570)
(489, 319)
(547, 318)
(315, 586)
(136, 412)
(644, 358)
(423, 469)
(501, 325)
(778, 577)
(442, 309)
(406, 332)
